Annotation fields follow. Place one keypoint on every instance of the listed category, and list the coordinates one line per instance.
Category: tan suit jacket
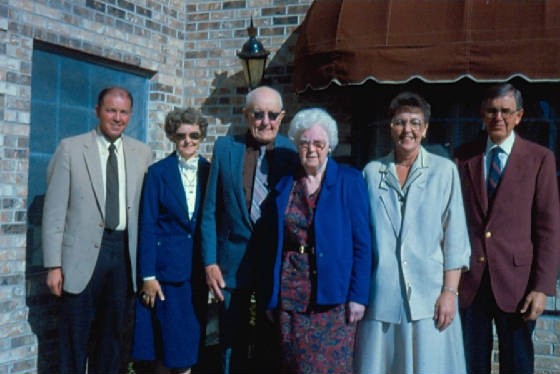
(74, 210)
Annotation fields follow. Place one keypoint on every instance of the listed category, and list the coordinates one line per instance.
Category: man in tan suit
(89, 233)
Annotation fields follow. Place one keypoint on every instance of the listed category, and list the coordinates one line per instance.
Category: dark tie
(260, 189)
(494, 172)
(112, 190)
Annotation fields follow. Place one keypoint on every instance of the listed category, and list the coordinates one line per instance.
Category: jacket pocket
(522, 259)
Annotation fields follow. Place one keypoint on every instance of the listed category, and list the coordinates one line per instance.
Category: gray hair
(501, 90)
(307, 118)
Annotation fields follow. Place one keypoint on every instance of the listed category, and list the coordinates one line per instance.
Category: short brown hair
(180, 116)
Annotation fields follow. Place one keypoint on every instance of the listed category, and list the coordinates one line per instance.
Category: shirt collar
(506, 145)
(104, 142)
(190, 164)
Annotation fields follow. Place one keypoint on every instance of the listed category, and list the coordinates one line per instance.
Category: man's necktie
(260, 189)
(112, 190)
(494, 172)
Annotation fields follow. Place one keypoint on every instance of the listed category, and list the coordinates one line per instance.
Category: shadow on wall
(224, 105)
(43, 307)
(225, 102)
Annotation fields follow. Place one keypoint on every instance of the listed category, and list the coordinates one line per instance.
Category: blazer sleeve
(357, 199)
(456, 243)
(56, 206)
(546, 228)
(208, 224)
(149, 212)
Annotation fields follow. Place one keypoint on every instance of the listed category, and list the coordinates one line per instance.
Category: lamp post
(253, 58)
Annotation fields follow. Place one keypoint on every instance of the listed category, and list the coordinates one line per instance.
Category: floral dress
(314, 338)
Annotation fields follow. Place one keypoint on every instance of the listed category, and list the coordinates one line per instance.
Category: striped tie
(494, 172)
(260, 189)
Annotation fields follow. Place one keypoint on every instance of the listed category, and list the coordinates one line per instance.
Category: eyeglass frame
(505, 112)
(272, 116)
(415, 123)
(306, 144)
(196, 136)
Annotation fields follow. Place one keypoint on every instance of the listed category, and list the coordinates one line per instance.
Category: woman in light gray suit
(420, 246)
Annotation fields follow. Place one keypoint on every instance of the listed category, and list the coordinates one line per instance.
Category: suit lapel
(416, 184)
(202, 176)
(475, 172)
(93, 165)
(331, 176)
(174, 184)
(514, 170)
(236, 170)
(131, 170)
(390, 192)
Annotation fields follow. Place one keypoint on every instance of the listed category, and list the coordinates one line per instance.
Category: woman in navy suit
(321, 261)
(168, 325)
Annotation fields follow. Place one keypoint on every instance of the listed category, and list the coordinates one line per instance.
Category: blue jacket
(342, 237)
(227, 229)
(166, 241)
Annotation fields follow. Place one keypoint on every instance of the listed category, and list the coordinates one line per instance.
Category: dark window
(455, 118)
(64, 89)
(455, 115)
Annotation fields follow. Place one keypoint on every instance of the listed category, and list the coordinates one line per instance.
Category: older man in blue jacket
(244, 168)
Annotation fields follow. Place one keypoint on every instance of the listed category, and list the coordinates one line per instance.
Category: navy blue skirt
(171, 331)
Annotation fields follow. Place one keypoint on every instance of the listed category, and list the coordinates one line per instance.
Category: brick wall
(189, 45)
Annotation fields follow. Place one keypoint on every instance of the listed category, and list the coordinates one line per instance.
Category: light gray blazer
(74, 209)
(417, 242)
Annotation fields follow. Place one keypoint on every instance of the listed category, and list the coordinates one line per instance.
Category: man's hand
(215, 281)
(354, 312)
(54, 281)
(534, 305)
(150, 290)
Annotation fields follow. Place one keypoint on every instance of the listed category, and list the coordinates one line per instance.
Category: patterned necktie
(112, 190)
(260, 185)
(494, 172)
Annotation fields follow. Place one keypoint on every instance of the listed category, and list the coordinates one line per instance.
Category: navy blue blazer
(166, 234)
(343, 254)
(227, 229)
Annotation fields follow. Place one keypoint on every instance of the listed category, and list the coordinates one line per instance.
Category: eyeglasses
(415, 123)
(182, 136)
(306, 144)
(259, 115)
(493, 112)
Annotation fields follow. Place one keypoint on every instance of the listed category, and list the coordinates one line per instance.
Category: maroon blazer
(518, 238)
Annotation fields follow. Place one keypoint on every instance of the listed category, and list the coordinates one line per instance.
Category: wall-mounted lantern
(253, 58)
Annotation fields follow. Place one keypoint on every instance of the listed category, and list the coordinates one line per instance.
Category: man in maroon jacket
(511, 201)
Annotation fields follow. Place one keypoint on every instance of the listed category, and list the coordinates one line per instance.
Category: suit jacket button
(487, 234)
(481, 259)
(101, 224)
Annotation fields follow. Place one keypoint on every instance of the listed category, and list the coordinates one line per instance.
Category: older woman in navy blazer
(321, 262)
(168, 322)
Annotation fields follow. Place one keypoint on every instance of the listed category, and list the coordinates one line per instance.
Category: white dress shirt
(189, 176)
